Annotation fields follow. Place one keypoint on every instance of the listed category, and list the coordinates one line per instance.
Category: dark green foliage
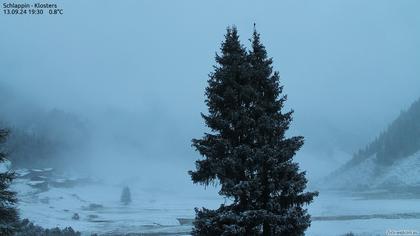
(227, 220)
(29, 149)
(401, 139)
(47, 140)
(27, 228)
(247, 151)
(8, 214)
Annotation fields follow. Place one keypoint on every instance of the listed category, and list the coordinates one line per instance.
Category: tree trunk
(266, 229)
(266, 225)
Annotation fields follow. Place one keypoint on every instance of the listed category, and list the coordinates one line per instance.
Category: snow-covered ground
(376, 216)
(367, 174)
(100, 211)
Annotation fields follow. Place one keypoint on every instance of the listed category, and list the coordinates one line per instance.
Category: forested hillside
(42, 142)
(401, 139)
(390, 161)
(40, 137)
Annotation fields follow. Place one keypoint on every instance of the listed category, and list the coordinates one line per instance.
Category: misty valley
(370, 190)
(281, 118)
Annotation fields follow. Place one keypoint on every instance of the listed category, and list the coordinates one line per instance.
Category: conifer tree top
(247, 152)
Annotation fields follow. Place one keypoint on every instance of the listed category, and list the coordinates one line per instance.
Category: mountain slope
(392, 159)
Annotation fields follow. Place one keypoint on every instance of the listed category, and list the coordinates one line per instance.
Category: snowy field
(99, 209)
(337, 213)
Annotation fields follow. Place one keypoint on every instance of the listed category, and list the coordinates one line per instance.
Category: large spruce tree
(9, 219)
(246, 151)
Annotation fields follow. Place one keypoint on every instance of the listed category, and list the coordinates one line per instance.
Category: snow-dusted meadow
(99, 209)
(362, 214)
(98, 206)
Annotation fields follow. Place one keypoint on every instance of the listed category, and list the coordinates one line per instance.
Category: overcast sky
(348, 67)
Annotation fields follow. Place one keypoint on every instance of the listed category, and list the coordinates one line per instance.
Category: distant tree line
(401, 139)
(45, 140)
